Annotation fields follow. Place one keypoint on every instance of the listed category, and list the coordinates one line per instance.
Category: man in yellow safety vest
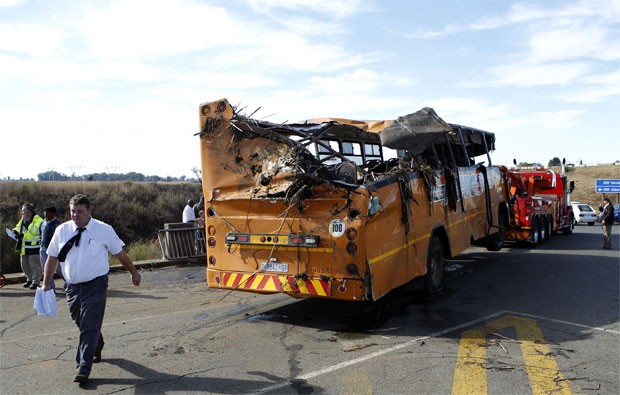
(28, 234)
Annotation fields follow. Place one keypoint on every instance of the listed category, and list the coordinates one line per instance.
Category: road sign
(607, 186)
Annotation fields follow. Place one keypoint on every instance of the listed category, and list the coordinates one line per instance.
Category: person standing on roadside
(81, 245)
(28, 234)
(607, 219)
(188, 212)
(49, 225)
(199, 207)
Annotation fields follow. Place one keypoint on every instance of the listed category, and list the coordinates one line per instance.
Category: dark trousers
(86, 303)
(607, 234)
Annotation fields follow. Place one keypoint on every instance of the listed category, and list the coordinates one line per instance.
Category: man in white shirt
(188, 212)
(81, 246)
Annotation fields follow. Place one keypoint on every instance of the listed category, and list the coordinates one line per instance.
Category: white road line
(540, 318)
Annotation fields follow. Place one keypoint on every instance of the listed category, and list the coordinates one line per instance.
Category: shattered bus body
(316, 209)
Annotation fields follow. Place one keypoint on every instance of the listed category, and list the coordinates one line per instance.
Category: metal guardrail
(182, 242)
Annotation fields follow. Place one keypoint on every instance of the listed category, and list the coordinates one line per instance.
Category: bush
(136, 210)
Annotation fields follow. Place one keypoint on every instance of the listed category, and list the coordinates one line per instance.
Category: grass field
(585, 179)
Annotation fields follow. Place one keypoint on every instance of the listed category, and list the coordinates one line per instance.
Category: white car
(584, 213)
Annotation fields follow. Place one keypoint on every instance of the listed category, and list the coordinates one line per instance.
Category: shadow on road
(149, 381)
(550, 281)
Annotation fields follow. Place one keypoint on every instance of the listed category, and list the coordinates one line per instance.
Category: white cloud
(154, 29)
(358, 80)
(30, 39)
(10, 67)
(572, 41)
(10, 3)
(335, 8)
(528, 75)
(556, 119)
(279, 51)
(311, 27)
(602, 87)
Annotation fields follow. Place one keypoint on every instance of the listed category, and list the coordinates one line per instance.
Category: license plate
(274, 267)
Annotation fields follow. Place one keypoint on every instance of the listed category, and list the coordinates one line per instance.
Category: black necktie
(74, 240)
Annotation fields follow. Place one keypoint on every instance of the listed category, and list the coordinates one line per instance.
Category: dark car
(616, 214)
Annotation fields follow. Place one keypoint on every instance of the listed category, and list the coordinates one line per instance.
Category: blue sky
(114, 86)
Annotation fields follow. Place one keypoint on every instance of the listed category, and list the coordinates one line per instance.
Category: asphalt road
(518, 321)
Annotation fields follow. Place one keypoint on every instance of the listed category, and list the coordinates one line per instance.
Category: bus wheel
(496, 242)
(380, 310)
(434, 266)
(535, 232)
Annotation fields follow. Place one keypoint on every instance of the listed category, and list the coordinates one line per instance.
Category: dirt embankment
(585, 180)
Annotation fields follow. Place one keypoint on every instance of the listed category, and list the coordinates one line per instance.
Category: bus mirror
(571, 186)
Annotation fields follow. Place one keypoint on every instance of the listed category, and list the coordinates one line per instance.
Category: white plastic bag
(45, 302)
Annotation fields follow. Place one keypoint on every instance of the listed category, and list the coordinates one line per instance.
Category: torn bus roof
(259, 158)
(414, 132)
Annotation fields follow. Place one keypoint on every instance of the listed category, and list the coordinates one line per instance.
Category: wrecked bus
(317, 209)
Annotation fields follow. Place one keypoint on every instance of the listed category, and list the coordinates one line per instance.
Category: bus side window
(324, 152)
(372, 151)
(353, 152)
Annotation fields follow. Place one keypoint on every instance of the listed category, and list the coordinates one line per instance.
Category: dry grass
(136, 210)
(585, 179)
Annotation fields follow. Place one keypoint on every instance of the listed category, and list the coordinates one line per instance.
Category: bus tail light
(352, 268)
(352, 234)
(352, 249)
(269, 239)
(304, 241)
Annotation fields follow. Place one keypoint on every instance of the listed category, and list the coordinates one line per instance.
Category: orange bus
(343, 209)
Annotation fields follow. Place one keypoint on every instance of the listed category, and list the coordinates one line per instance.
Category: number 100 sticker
(336, 228)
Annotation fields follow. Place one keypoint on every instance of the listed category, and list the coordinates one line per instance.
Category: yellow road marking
(470, 375)
(357, 383)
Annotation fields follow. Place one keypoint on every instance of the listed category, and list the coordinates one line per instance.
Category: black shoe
(34, 286)
(80, 378)
(26, 284)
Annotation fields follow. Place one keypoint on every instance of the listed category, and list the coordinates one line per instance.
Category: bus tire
(496, 241)
(435, 262)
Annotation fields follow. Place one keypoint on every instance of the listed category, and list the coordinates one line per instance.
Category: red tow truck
(539, 204)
